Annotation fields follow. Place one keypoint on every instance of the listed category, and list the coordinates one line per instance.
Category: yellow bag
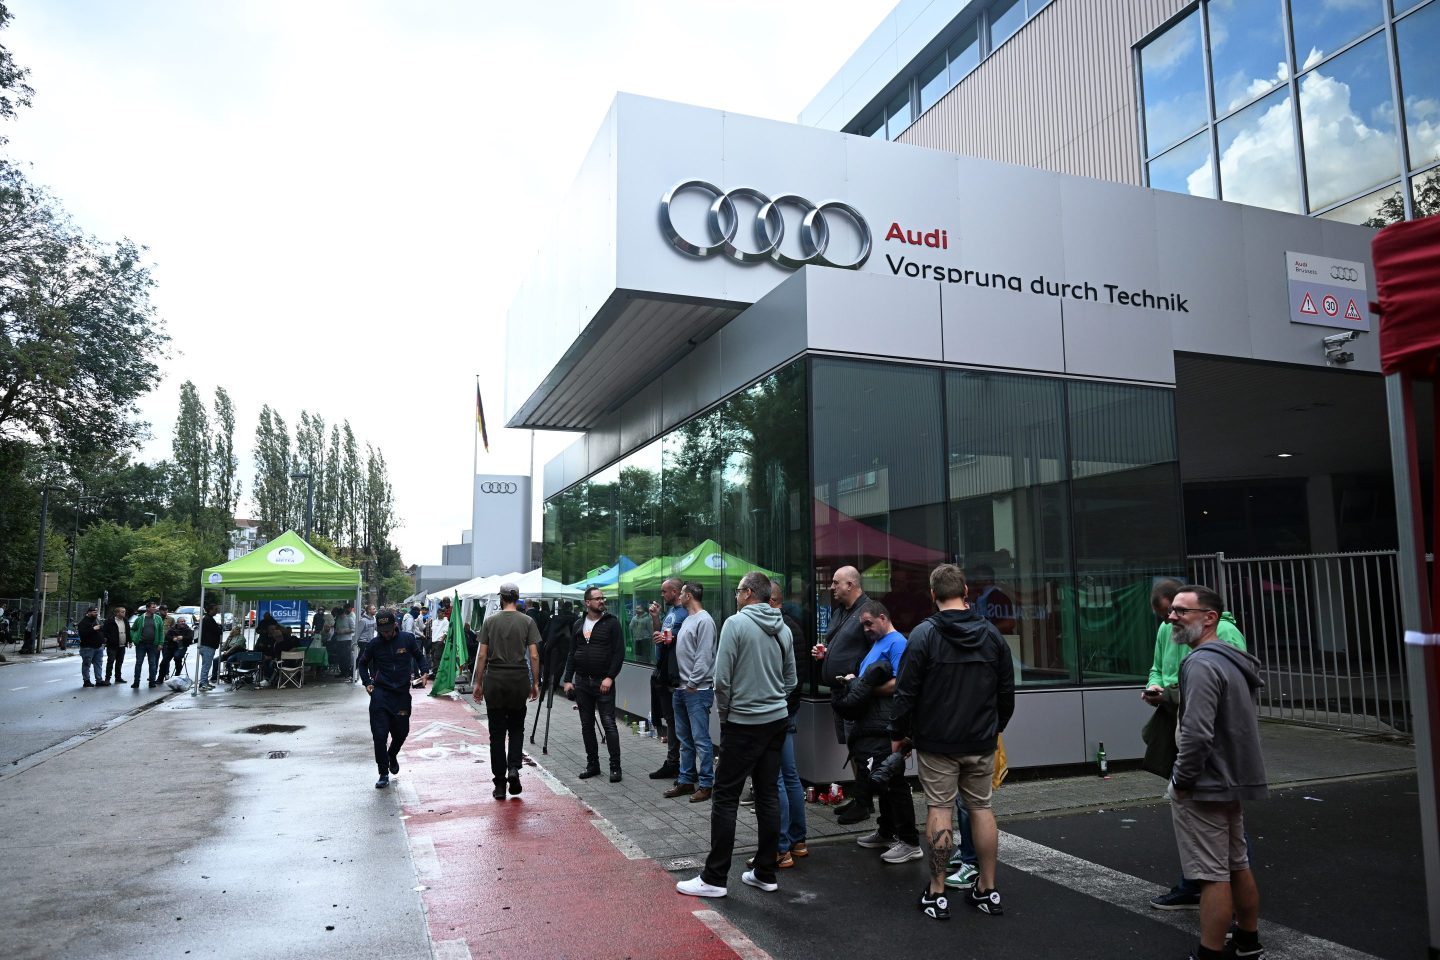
(1001, 766)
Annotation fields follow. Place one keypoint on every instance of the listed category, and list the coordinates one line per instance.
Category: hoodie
(956, 692)
(1165, 667)
(754, 666)
(1219, 730)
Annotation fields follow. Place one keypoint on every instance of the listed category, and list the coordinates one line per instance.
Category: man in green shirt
(147, 633)
(1162, 691)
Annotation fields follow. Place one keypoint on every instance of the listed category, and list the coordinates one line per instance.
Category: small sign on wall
(1328, 293)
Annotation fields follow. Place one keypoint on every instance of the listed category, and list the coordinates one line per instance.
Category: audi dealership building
(794, 348)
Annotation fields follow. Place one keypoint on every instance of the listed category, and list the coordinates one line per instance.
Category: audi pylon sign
(1327, 292)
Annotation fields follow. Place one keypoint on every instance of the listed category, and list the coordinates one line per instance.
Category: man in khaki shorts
(1219, 766)
(953, 698)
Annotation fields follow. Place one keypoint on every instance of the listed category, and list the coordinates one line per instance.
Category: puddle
(271, 728)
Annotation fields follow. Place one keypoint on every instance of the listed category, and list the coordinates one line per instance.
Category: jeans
(146, 652)
(750, 750)
(388, 720)
(896, 803)
(792, 794)
(506, 724)
(114, 660)
(92, 657)
(966, 845)
(207, 659)
(692, 729)
(589, 698)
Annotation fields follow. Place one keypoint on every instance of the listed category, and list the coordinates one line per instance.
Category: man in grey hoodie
(754, 671)
(1219, 766)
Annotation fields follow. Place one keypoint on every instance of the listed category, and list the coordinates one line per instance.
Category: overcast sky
(340, 198)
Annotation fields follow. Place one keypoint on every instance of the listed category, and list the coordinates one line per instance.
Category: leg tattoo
(942, 845)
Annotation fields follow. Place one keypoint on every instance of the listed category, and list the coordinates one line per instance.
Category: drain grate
(279, 754)
(271, 728)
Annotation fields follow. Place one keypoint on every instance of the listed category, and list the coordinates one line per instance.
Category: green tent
(705, 563)
(286, 567)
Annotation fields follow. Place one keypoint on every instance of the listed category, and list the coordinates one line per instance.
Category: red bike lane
(532, 876)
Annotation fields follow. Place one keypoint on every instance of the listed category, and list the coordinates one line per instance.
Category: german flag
(480, 419)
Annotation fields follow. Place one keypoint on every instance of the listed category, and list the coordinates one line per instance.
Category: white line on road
(452, 950)
(13, 689)
(622, 843)
(744, 947)
(427, 863)
(1133, 894)
(56, 680)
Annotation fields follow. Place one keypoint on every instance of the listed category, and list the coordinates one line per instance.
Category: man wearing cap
(508, 640)
(386, 665)
(92, 649)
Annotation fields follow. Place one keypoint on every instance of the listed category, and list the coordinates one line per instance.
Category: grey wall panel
(1000, 329)
(605, 442)
(554, 479)
(819, 758)
(640, 418)
(1266, 238)
(1044, 730)
(1059, 95)
(1220, 316)
(769, 332)
(1115, 717)
(871, 315)
(577, 462)
(1121, 342)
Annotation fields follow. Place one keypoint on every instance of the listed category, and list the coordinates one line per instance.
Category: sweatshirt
(1219, 729)
(754, 667)
(695, 651)
(1165, 667)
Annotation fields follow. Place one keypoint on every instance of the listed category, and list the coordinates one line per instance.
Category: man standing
(92, 648)
(117, 635)
(754, 670)
(666, 678)
(345, 641)
(866, 703)
(386, 665)
(695, 665)
(597, 651)
(211, 630)
(365, 634)
(840, 653)
(953, 699)
(793, 829)
(508, 640)
(1219, 767)
(147, 633)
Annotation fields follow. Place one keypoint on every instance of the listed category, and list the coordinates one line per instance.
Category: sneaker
(263, 684)
(902, 852)
(748, 799)
(873, 841)
(853, 814)
(1256, 952)
(1175, 899)
(615, 775)
(963, 878)
(986, 901)
(783, 861)
(591, 771)
(935, 905)
(499, 792)
(382, 783)
(394, 764)
(697, 887)
(668, 771)
(800, 850)
(515, 786)
(749, 877)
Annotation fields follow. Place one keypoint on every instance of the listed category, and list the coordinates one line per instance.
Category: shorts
(943, 776)
(1211, 838)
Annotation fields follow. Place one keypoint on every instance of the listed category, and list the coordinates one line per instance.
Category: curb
(19, 766)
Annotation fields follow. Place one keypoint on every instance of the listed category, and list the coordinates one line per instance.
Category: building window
(1321, 27)
(1348, 117)
(1172, 69)
(1186, 168)
(1417, 38)
(1006, 17)
(1257, 155)
(1247, 50)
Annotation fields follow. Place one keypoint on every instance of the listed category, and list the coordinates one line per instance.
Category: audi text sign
(1326, 292)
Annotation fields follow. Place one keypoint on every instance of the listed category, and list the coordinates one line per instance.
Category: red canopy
(1407, 277)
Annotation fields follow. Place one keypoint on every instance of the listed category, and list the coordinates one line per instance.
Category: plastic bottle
(1102, 762)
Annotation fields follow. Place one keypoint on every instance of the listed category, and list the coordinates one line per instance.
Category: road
(42, 703)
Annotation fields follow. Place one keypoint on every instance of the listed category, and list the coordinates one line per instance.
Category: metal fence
(18, 610)
(1327, 629)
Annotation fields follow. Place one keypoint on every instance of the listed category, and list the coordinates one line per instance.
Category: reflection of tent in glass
(605, 576)
(704, 563)
(842, 536)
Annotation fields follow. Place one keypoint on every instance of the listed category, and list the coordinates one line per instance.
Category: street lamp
(38, 613)
(74, 552)
(309, 498)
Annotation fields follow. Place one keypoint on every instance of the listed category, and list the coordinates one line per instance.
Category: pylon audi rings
(723, 227)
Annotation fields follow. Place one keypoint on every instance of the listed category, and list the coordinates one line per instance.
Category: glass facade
(1061, 499)
(1303, 120)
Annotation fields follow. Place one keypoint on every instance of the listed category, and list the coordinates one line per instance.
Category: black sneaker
(382, 783)
(935, 905)
(394, 764)
(515, 787)
(1234, 948)
(1176, 899)
(854, 814)
(499, 791)
(668, 771)
(986, 901)
(591, 771)
(615, 775)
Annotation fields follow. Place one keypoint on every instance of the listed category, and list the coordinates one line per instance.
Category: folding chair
(241, 669)
(290, 670)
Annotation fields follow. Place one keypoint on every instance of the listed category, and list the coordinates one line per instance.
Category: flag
(454, 655)
(480, 419)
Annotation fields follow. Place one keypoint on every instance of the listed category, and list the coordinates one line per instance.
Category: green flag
(454, 655)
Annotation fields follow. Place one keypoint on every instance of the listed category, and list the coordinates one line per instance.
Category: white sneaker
(873, 841)
(262, 684)
(749, 877)
(697, 887)
(963, 878)
(902, 852)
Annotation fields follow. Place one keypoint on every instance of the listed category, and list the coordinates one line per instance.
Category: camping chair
(290, 670)
(242, 668)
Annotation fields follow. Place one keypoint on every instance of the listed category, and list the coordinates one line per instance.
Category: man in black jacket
(92, 648)
(117, 634)
(386, 665)
(952, 701)
(597, 651)
(840, 653)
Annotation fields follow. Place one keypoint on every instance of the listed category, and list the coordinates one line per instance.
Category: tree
(225, 489)
(101, 561)
(396, 587)
(272, 473)
(191, 449)
(351, 491)
(160, 563)
(14, 91)
(310, 458)
(331, 513)
(1427, 202)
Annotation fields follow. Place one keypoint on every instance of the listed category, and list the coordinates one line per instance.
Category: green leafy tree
(101, 561)
(396, 587)
(14, 91)
(351, 493)
(160, 563)
(191, 449)
(272, 473)
(329, 516)
(225, 480)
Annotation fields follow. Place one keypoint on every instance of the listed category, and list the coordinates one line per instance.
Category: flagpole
(475, 445)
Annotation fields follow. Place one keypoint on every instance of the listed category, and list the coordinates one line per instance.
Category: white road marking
(452, 950)
(427, 863)
(1133, 894)
(406, 790)
(13, 689)
(744, 947)
(56, 680)
(624, 844)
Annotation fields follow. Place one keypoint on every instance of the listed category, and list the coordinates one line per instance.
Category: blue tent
(606, 577)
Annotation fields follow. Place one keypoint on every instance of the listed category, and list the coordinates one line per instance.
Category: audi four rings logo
(493, 487)
(1345, 273)
(723, 227)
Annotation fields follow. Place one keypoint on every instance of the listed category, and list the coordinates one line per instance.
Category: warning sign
(1315, 280)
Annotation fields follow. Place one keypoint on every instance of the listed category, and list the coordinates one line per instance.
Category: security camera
(1336, 340)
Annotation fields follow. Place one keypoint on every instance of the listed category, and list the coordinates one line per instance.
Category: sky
(340, 197)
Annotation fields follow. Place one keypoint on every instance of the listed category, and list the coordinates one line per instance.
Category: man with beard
(840, 653)
(386, 666)
(92, 648)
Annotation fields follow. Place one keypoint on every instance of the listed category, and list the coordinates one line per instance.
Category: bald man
(840, 653)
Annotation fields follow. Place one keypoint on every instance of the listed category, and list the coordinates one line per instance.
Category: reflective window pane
(1173, 74)
(1348, 118)
(1323, 26)
(1426, 190)
(1186, 168)
(1384, 206)
(1402, 5)
(637, 514)
(1127, 522)
(1006, 17)
(898, 113)
(934, 81)
(964, 53)
(1009, 512)
(1417, 38)
(873, 126)
(1035, 6)
(1257, 155)
(1247, 50)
